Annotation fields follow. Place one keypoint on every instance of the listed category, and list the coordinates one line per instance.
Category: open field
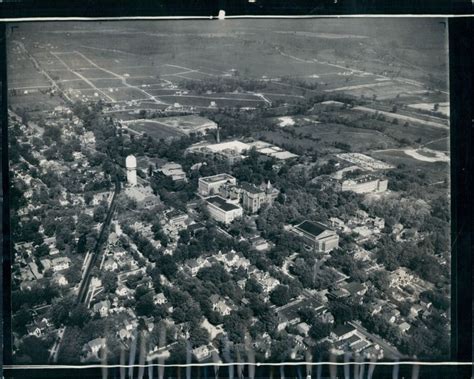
(443, 107)
(323, 137)
(204, 101)
(146, 80)
(78, 84)
(62, 75)
(437, 171)
(403, 118)
(152, 128)
(382, 90)
(95, 73)
(72, 59)
(127, 94)
(35, 101)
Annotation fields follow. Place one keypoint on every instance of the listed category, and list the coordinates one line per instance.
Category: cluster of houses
(361, 224)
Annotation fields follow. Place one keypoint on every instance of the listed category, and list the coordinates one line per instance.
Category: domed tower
(131, 164)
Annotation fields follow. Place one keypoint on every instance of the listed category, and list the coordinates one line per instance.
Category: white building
(131, 164)
(400, 277)
(365, 184)
(102, 308)
(160, 299)
(202, 352)
(223, 211)
(173, 171)
(210, 185)
(60, 263)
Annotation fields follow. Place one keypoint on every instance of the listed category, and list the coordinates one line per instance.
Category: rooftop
(354, 287)
(291, 312)
(235, 145)
(313, 228)
(353, 339)
(216, 178)
(251, 188)
(221, 203)
(340, 330)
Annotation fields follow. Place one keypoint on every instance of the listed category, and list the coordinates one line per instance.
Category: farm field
(201, 101)
(346, 79)
(62, 75)
(146, 80)
(77, 84)
(95, 73)
(107, 83)
(382, 90)
(403, 118)
(127, 94)
(73, 60)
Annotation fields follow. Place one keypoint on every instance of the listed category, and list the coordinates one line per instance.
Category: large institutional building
(365, 184)
(319, 236)
(222, 210)
(210, 185)
(254, 197)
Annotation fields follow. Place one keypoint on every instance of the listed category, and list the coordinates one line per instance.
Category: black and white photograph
(198, 191)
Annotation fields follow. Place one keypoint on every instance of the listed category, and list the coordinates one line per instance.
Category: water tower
(131, 164)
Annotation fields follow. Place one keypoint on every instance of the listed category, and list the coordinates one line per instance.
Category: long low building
(317, 235)
(235, 150)
(223, 211)
(365, 184)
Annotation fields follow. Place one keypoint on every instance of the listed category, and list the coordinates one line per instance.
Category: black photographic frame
(461, 89)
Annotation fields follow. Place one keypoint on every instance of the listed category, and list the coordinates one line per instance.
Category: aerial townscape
(224, 192)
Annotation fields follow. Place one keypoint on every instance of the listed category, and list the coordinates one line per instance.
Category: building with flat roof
(233, 151)
(60, 263)
(210, 185)
(342, 332)
(319, 236)
(222, 210)
(365, 184)
(173, 171)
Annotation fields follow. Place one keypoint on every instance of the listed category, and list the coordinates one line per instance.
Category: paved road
(84, 287)
(53, 357)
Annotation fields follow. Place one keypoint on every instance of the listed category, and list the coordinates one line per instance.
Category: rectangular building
(223, 211)
(254, 197)
(365, 184)
(210, 185)
(319, 236)
(173, 171)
